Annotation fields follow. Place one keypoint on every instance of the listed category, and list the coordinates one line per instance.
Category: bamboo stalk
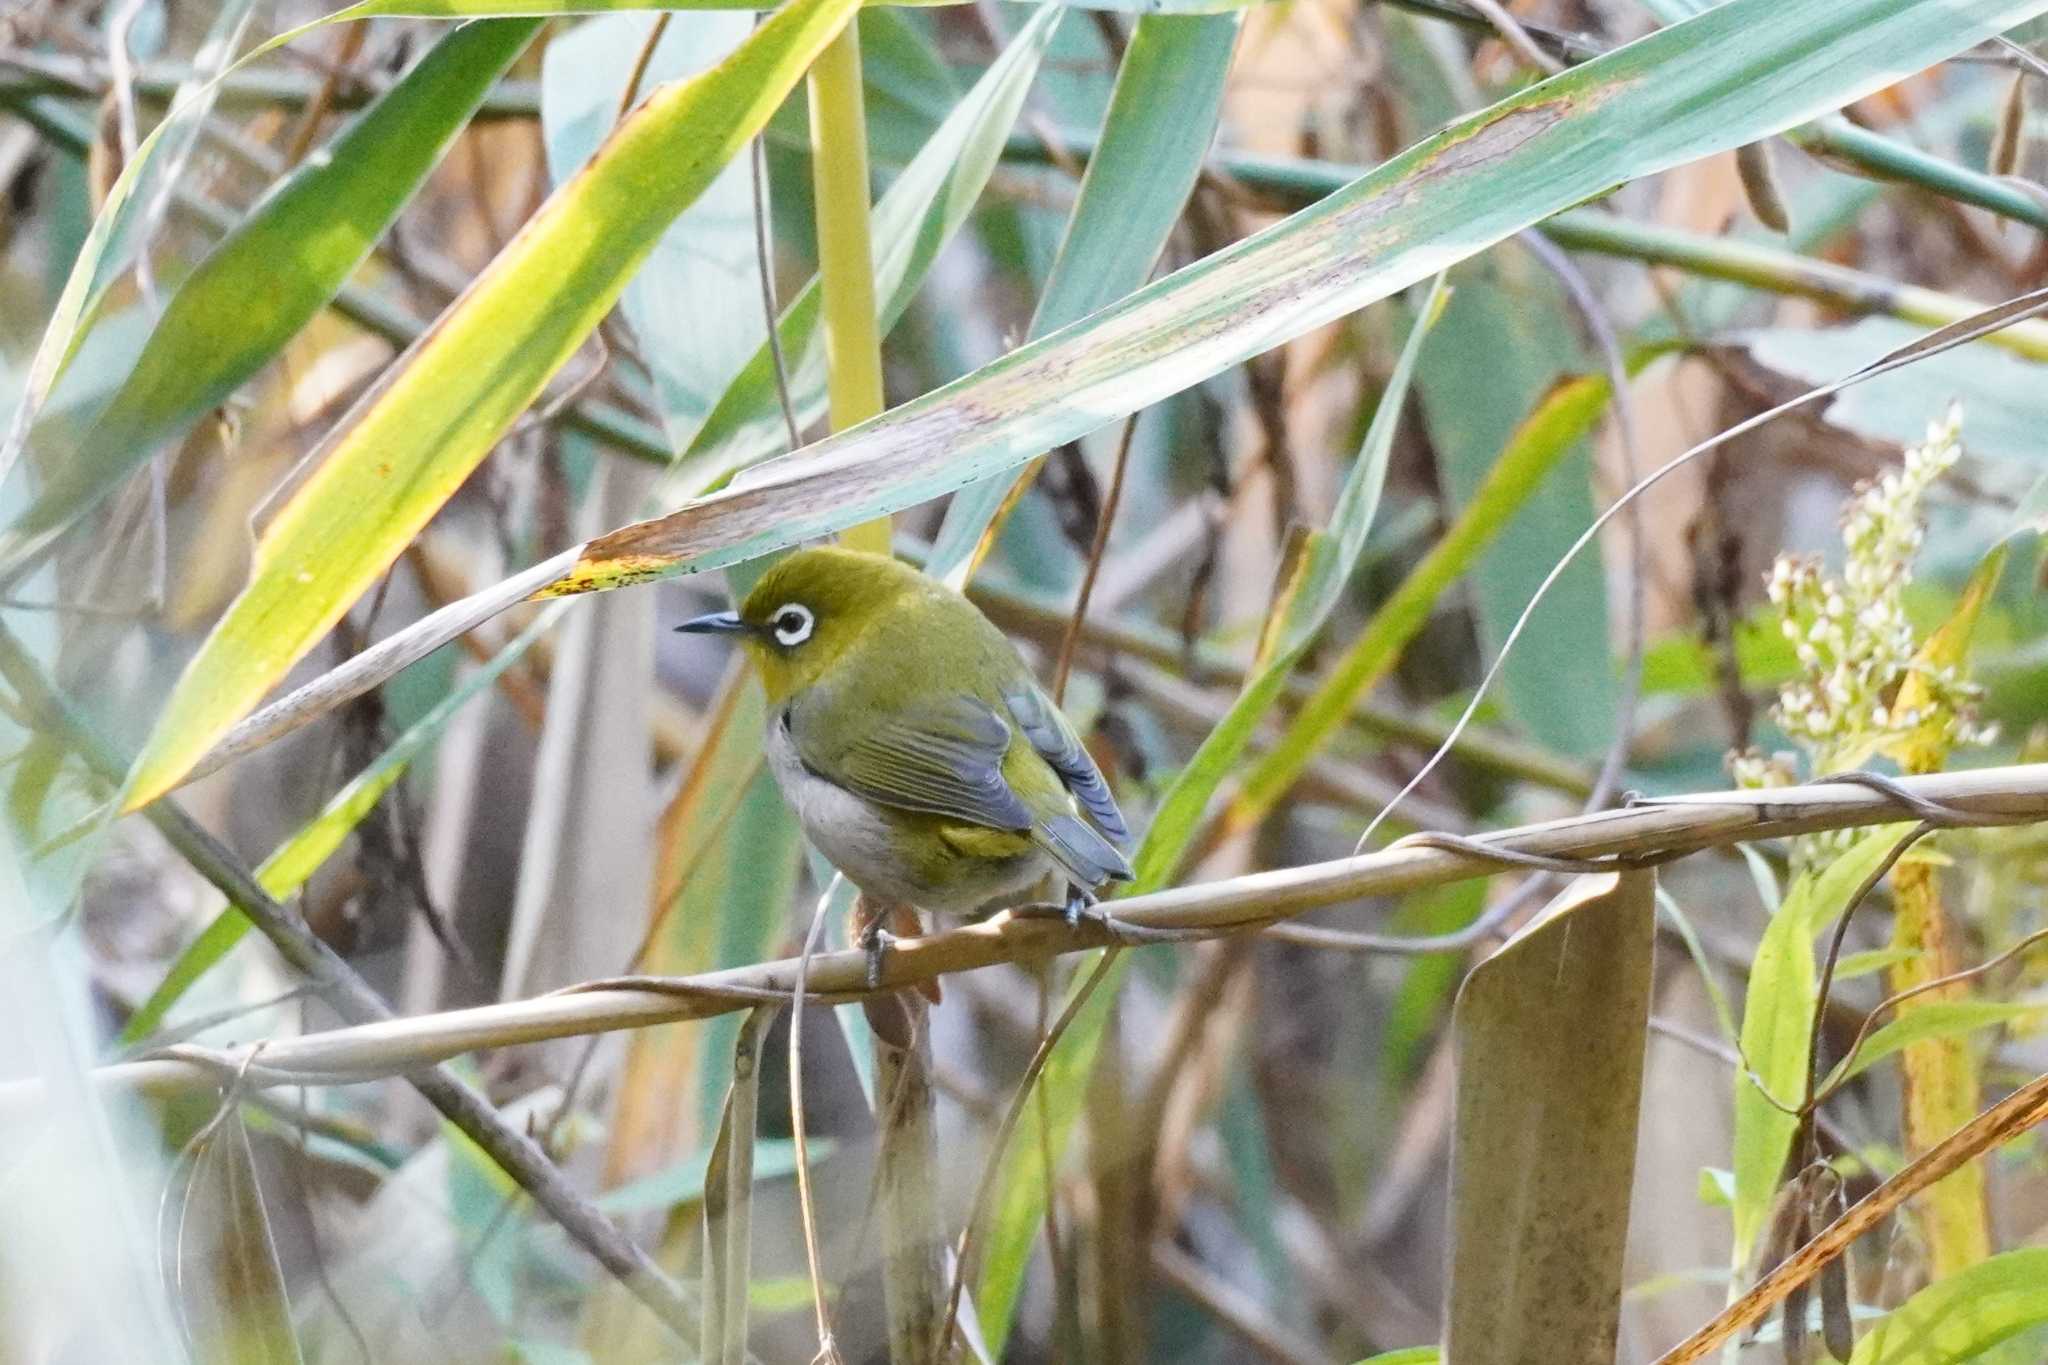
(1989, 796)
(846, 253)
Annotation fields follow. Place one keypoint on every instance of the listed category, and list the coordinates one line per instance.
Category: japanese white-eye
(921, 757)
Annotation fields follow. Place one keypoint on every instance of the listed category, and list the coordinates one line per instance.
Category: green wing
(945, 756)
(942, 756)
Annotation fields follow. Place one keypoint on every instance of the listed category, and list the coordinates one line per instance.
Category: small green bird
(918, 752)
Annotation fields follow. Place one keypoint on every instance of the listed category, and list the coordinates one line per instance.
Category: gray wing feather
(1089, 859)
(1059, 746)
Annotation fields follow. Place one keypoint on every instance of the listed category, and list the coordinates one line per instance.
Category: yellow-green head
(808, 610)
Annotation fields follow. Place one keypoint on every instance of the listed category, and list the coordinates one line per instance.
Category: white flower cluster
(1851, 635)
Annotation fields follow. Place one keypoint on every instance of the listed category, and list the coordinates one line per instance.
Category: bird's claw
(1078, 905)
(875, 941)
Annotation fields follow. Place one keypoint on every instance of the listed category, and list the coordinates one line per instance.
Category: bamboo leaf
(1325, 569)
(1508, 339)
(1937, 1019)
(278, 268)
(1745, 69)
(1550, 1038)
(412, 440)
(1961, 1316)
(1544, 438)
(2001, 392)
(109, 246)
(1742, 70)
(695, 306)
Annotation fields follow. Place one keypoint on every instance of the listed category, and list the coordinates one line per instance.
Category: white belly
(860, 838)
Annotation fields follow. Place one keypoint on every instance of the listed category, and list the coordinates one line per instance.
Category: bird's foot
(1080, 902)
(875, 940)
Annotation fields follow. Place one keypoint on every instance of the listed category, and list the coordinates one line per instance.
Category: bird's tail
(1089, 859)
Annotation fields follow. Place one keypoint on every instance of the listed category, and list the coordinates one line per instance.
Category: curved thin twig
(1928, 344)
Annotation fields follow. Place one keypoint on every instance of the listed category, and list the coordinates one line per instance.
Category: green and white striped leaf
(1741, 71)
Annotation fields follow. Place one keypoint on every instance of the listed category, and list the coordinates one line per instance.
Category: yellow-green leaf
(409, 443)
(1777, 1018)
(1962, 1316)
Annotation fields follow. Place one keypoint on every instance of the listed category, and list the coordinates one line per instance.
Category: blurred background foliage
(1260, 1126)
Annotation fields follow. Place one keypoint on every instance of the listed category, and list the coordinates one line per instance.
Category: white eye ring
(792, 623)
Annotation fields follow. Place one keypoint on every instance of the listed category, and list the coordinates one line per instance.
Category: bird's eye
(793, 624)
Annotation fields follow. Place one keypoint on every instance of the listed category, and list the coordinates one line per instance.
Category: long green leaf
(276, 270)
(1961, 1317)
(1327, 565)
(1937, 1019)
(410, 442)
(300, 856)
(1161, 119)
(1777, 1017)
(695, 306)
(1508, 339)
(1741, 71)
(132, 202)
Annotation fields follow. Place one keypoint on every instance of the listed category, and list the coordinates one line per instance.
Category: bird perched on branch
(921, 757)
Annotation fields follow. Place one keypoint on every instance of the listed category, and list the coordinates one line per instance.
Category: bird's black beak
(717, 623)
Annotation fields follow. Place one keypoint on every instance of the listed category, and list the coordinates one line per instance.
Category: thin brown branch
(1989, 796)
(1103, 518)
(1231, 1306)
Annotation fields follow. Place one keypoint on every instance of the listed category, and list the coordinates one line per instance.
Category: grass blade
(278, 268)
